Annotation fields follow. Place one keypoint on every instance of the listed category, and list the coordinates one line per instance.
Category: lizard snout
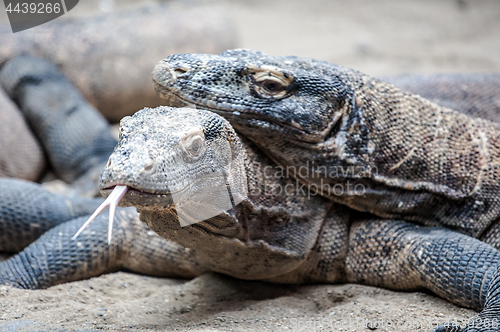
(165, 71)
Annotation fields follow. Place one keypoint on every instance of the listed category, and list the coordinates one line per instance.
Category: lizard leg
(403, 256)
(55, 258)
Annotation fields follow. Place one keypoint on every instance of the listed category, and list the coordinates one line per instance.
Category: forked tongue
(112, 202)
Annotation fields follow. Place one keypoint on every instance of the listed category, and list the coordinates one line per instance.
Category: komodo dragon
(153, 256)
(352, 138)
(273, 235)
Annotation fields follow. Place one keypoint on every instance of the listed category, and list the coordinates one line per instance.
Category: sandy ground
(378, 37)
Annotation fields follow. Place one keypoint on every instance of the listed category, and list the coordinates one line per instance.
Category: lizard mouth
(139, 198)
(124, 196)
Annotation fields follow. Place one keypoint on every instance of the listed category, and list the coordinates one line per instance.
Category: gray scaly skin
(27, 210)
(353, 138)
(473, 94)
(109, 56)
(283, 237)
(75, 136)
(21, 155)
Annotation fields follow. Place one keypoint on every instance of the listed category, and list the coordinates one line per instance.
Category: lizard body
(277, 236)
(352, 138)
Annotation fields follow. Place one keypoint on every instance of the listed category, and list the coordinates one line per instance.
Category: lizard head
(190, 159)
(298, 97)
(186, 170)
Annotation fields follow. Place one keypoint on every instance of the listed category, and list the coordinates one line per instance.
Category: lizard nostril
(149, 165)
(179, 71)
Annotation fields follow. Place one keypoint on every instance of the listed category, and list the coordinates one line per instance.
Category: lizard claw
(112, 201)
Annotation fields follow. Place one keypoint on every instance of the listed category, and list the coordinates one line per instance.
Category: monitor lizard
(353, 138)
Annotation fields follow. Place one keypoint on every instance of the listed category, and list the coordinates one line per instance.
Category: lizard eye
(193, 145)
(270, 82)
(196, 146)
(272, 86)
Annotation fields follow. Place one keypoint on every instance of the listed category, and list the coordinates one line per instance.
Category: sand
(377, 37)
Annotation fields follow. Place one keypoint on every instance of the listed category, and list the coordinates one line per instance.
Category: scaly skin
(154, 157)
(472, 94)
(21, 155)
(109, 59)
(281, 237)
(331, 259)
(27, 211)
(355, 139)
(278, 237)
(75, 136)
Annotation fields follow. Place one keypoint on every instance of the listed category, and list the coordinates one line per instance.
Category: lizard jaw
(140, 198)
